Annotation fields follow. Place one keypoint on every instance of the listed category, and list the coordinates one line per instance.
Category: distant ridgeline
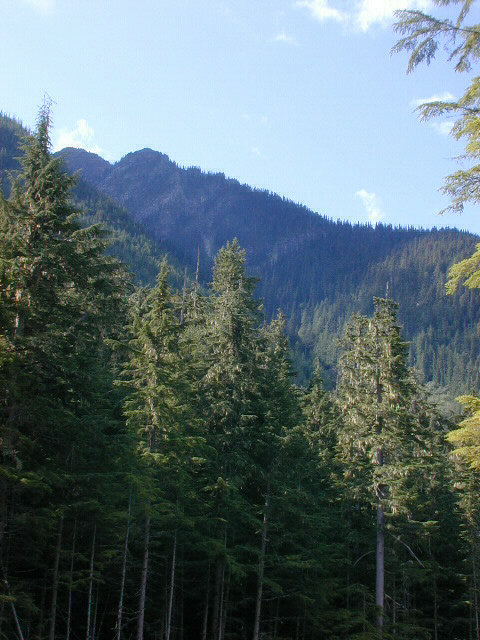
(317, 271)
(130, 242)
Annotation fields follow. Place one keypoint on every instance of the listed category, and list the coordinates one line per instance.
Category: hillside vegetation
(161, 476)
(315, 270)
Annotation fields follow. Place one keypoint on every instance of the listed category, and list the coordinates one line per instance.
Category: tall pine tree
(375, 393)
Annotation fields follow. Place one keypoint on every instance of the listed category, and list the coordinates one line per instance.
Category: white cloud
(443, 128)
(372, 206)
(363, 14)
(256, 151)
(446, 96)
(286, 39)
(44, 6)
(81, 137)
(321, 10)
(370, 12)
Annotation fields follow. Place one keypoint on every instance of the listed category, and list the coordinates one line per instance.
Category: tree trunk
(172, 588)
(261, 567)
(143, 583)
(380, 573)
(124, 572)
(4, 567)
(475, 594)
(2, 615)
(470, 612)
(207, 604)
(14, 611)
(184, 292)
(216, 600)
(380, 555)
(347, 594)
(406, 600)
(53, 605)
(70, 585)
(17, 622)
(94, 626)
(222, 603)
(277, 616)
(364, 622)
(165, 605)
(19, 320)
(3, 514)
(90, 584)
(42, 606)
(223, 624)
(181, 600)
(105, 609)
(95, 611)
(394, 607)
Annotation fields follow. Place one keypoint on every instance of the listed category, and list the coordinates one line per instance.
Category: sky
(299, 97)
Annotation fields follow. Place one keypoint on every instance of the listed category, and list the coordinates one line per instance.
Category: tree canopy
(422, 34)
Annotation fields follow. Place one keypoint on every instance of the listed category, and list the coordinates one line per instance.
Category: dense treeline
(443, 332)
(316, 270)
(161, 476)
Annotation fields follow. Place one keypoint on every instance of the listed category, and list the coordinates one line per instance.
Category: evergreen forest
(316, 270)
(163, 476)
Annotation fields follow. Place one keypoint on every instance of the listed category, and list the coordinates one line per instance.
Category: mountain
(130, 243)
(318, 271)
(189, 210)
(11, 133)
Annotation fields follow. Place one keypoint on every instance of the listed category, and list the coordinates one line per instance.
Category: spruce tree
(374, 398)
(158, 410)
(60, 296)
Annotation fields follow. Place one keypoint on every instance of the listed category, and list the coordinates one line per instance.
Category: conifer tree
(279, 415)
(230, 396)
(60, 297)
(374, 398)
(158, 410)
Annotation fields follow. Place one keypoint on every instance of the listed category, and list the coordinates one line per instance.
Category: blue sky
(300, 97)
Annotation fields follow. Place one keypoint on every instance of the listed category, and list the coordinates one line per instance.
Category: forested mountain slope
(130, 243)
(443, 331)
(292, 248)
(316, 270)
(162, 477)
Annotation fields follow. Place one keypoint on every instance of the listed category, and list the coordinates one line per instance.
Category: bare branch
(409, 549)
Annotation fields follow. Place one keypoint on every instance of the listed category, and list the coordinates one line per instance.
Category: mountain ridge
(317, 270)
(306, 261)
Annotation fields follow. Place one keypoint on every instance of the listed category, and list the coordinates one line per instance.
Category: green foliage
(61, 437)
(466, 272)
(309, 265)
(375, 394)
(314, 269)
(156, 456)
(439, 349)
(423, 33)
(466, 438)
